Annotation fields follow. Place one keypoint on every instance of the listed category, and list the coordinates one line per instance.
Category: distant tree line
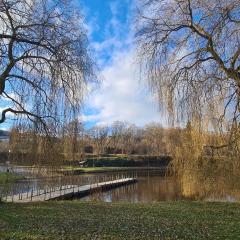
(74, 142)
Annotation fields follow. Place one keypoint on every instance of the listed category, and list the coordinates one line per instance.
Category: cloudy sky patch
(121, 96)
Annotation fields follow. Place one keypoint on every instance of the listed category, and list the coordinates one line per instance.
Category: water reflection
(210, 185)
(195, 185)
(16, 169)
(152, 186)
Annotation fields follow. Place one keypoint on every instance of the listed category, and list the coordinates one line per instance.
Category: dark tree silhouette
(44, 60)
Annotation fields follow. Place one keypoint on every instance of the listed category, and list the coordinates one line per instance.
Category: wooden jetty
(66, 191)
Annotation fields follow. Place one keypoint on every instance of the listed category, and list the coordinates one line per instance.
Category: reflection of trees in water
(216, 181)
(149, 188)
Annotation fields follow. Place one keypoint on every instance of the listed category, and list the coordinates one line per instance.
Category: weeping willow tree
(45, 65)
(190, 52)
(72, 141)
(47, 152)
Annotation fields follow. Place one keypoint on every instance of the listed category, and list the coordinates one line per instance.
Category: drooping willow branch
(191, 56)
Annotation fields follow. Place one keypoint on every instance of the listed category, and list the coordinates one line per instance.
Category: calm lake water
(152, 186)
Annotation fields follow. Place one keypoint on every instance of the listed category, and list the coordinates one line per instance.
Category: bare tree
(72, 140)
(44, 60)
(117, 130)
(154, 135)
(99, 135)
(129, 138)
(190, 50)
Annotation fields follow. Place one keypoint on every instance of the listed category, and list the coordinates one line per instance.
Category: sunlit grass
(91, 169)
(96, 220)
(103, 169)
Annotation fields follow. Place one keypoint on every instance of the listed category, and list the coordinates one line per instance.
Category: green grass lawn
(90, 169)
(96, 220)
(9, 177)
(103, 169)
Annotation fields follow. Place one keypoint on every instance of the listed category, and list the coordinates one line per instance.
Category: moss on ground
(97, 220)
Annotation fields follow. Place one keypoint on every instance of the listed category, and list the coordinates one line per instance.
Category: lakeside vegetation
(80, 170)
(10, 177)
(118, 221)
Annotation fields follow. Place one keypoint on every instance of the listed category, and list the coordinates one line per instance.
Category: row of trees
(74, 141)
(127, 138)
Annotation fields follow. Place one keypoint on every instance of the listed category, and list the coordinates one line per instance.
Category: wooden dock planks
(66, 191)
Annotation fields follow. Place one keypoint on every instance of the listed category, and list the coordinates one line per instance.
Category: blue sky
(121, 96)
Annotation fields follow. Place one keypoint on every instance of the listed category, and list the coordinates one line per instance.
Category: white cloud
(122, 96)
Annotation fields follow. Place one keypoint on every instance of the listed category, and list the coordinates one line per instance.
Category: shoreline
(79, 171)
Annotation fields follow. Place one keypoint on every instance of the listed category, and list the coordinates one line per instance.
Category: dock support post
(44, 194)
(31, 194)
(27, 190)
(12, 193)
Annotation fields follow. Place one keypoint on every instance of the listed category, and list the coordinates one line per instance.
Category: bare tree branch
(44, 59)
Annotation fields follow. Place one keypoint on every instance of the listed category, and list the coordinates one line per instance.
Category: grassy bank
(79, 170)
(81, 220)
(90, 169)
(9, 177)
(121, 160)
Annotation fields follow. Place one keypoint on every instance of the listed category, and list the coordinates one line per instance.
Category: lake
(152, 186)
